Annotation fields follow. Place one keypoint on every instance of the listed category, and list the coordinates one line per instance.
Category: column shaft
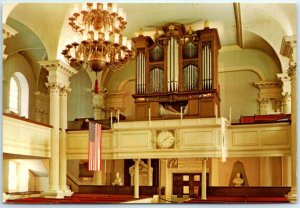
(136, 179)
(54, 121)
(63, 141)
(293, 194)
(203, 178)
(149, 173)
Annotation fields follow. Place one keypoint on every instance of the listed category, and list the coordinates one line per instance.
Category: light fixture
(99, 44)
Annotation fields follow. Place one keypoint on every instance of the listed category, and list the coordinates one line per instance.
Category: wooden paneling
(154, 109)
(141, 111)
(248, 191)
(207, 108)
(193, 106)
(126, 190)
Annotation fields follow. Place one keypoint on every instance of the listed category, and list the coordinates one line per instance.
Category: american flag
(95, 146)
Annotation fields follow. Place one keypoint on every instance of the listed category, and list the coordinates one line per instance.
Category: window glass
(14, 96)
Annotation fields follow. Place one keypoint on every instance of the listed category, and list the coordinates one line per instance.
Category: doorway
(187, 184)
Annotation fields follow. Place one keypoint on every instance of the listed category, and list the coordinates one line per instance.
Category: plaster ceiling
(262, 25)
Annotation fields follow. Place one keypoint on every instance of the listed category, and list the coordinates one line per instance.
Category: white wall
(239, 93)
(80, 99)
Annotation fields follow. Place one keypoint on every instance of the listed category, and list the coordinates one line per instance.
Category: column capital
(54, 86)
(65, 90)
(59, 73)
(8, 31)
(283, 77)
(292, 69)
(264, 101)
(58, 65)
(288, 45)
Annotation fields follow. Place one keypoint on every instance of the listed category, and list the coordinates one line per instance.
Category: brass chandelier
(99, 44)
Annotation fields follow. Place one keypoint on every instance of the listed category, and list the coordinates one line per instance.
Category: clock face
(165, 139)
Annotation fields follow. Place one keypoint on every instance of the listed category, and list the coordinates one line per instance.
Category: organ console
(177, 72)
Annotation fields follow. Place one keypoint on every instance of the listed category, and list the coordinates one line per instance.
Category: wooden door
(187, 184)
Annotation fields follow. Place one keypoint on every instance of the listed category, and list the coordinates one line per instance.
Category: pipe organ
(177, 73)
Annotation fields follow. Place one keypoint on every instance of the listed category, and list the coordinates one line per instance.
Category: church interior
(196, 101)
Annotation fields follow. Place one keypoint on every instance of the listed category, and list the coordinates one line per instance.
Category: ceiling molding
(244, 68)
(238, 23)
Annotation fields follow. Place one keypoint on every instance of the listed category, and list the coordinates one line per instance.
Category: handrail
(26, 120)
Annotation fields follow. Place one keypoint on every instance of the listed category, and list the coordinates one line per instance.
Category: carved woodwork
(178, 69)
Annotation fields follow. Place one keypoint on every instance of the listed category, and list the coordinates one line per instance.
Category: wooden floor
(114, 199)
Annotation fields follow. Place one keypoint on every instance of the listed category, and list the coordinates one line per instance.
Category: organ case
(177, 73)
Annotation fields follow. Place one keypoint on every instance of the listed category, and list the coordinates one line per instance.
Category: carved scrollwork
(153, 139)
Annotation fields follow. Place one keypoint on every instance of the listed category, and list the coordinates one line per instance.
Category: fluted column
(58, 79)
(149, 172)
(136, 179)
(203, 178)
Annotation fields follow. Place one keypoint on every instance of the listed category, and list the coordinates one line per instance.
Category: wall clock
(165, 140)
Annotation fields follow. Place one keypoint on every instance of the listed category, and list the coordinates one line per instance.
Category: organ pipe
(206, 67)
(141, 68)
(173, 65)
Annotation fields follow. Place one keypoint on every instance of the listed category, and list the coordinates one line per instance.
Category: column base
(54, 194)
(292, 196)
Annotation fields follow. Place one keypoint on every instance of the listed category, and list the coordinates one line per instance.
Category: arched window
(14, 95)
(19, 94)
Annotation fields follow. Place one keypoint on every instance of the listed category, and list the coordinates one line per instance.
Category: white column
(265, 171)
(292, 196)
(286, 171)
(286, 92)
(214, 172)
(289, 49)
(58, 78)
(163, 175)
(203, 178)
(287, 104)
(136, 179)
(63, 143)
(149, 172)
(264, 105)
(97, 178)
(54, 121)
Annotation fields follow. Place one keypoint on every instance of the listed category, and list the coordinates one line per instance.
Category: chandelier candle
(99, 44)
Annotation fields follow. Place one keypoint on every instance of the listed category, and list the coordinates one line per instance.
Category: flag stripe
(95, 146)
